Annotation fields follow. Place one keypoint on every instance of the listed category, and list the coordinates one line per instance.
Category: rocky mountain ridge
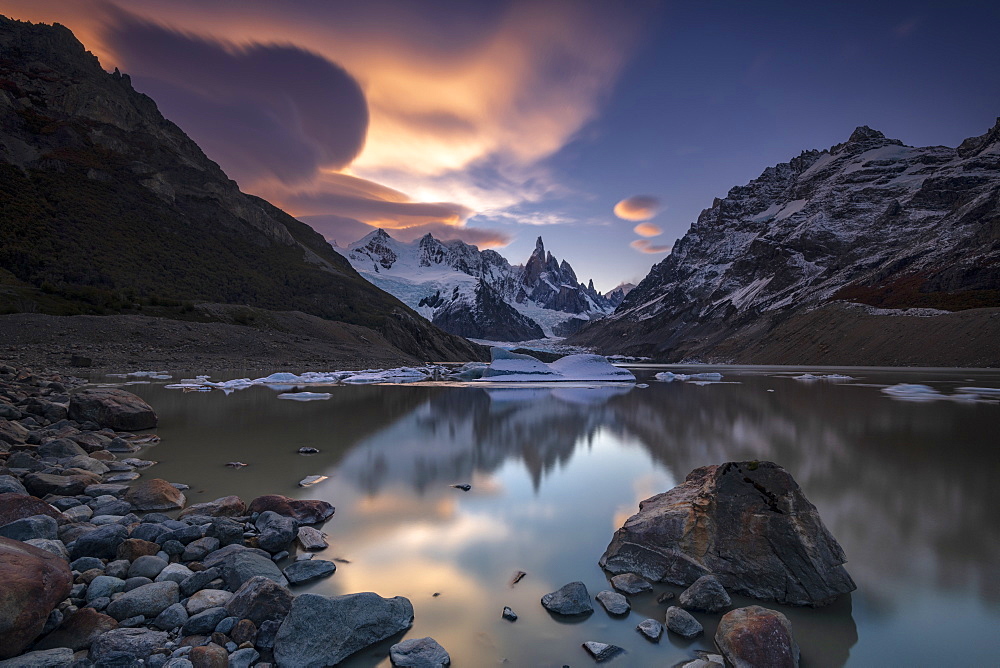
(868, 221)
(479, 294)
(109, 208)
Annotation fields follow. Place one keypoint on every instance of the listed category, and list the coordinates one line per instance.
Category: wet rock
(36, 526)
(260, 600)
(301, 572)
(311, 539)
(756, 636)
(419, 653)
(613, 602)
(227, 506)
(704, 660)
(19, 506)
(112, 408)
(325, 630)
(706, 595)
(32, 583)
(746, 522)
(630, 583)
(650, 629)
(207, 599)
(248, 564)
(570, 599)
(79, 630)
(306, 511)
(133, 642)
(509, 614)
(148, 601)
(102, 542)
(155, 494)
(276, 531)
(682, 623)
(45, 658)
(601, 651)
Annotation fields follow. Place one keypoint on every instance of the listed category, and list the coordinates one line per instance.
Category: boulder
(41, 484)
(28, 528)
(325, 630)
(276, 531)
(227, 506)
(306, 511)
(247, 564)
(301, 572)
(136, 643)
(12, 433)
(419, 653)
(570, 599)
(60, 448)
(748, 523)
(630, 583)
(613, 602)
(756, 636)
(104, 586)
(19, 506)
(682, 623)
(706, 595)
(56, 547)
(113, 408)
(260, 599)
(149, 601)
(650, 629)
(11, 485)
(155, 494)
(79, 630)
(243, 658)
(146, 566)
(32, 583)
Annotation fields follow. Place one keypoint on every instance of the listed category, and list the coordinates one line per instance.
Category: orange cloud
(646, 246)
(647, 230)
(637, 207)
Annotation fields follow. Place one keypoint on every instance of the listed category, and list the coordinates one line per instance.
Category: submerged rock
(756, 636)
(570, 599)
(748, 523)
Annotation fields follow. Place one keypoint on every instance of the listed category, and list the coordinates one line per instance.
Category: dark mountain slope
(107, 207)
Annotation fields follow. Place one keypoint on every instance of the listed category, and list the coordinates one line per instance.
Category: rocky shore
(93, 572)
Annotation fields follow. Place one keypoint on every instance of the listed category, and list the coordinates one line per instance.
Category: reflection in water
(908, 490)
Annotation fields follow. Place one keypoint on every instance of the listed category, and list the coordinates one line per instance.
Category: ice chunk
(668, 377)
(834, 377)
(305, 396)
(912, 392)
(514, 367)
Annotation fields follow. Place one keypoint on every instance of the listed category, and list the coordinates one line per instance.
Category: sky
(603, 127)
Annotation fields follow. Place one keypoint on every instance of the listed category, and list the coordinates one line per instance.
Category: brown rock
(748, 523)
(12, 432)
(155, 494)
(40, 484)
(756, 636)
(209, 656)
(111, 407)
(306, 511)
(79, 630)
(15, 506)
(32, 583)
(244, 631)
(227, 506)
(133, 548)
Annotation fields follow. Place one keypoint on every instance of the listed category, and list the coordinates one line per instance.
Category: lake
(909, 489)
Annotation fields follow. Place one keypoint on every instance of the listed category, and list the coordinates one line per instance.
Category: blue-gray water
(909, 489)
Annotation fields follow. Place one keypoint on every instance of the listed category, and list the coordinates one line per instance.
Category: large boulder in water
(305, 511)
(113, 408)
(32, 583)
(748, 523)
(756, 636)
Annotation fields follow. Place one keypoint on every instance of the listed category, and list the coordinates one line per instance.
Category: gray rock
(245, 565)
(173, 617)
(325, 630)
(266, 634)
(207, 599)
(198, 549)
(136, 582)
(260, 599)
(305, 571)
(79, 513)
(86, 463)
(706, 595)
(226, 625)
(311, 539)
(756, 636)
(276, 531)
(682, 623)
(174, 573)
(36, 526)
(60, 448)
(571, 599)
(147, 566)
(104, 586)
(787, 556)
(10, 484)
(199, 580)
(509, 614)
(419, 653)
(204, 622)
(613, 602)
(99, 603)
(132, 622)
(601, 651)
(228, 531)
(178, 662)
(225, 554)
(112, 507)
(102, 542)
(44, 658)
(137, 643)
(650, 629)
(86, 563)
(630, 583)
(117, 568)
(56, 547)
(148, 601)
(243, 658)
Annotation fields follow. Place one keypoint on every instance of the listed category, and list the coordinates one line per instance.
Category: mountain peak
(539, 246)
(864, 133)
(862, 139)
(975, 145)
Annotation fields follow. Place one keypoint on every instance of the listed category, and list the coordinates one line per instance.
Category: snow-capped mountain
(868, 221)
(479, 294)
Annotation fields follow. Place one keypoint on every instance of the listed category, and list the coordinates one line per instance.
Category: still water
(910, 490)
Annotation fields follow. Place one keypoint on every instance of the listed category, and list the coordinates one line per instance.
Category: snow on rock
(515, 367)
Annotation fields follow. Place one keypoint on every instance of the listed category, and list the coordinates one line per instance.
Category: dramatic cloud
(646, 246)
(648, 230)
(637, 207)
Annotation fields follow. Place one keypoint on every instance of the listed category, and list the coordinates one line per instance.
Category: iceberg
(833, 377)
(669, 377)
(506, 366)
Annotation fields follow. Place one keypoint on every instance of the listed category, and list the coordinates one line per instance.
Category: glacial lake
(911, 490)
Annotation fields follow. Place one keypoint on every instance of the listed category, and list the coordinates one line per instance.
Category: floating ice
(311, 480)
(988, 391)
(912, 392)
(668, 376)
(833, 377)
(288, 381)
(305, 396)
(155, 375)
(506, 366)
